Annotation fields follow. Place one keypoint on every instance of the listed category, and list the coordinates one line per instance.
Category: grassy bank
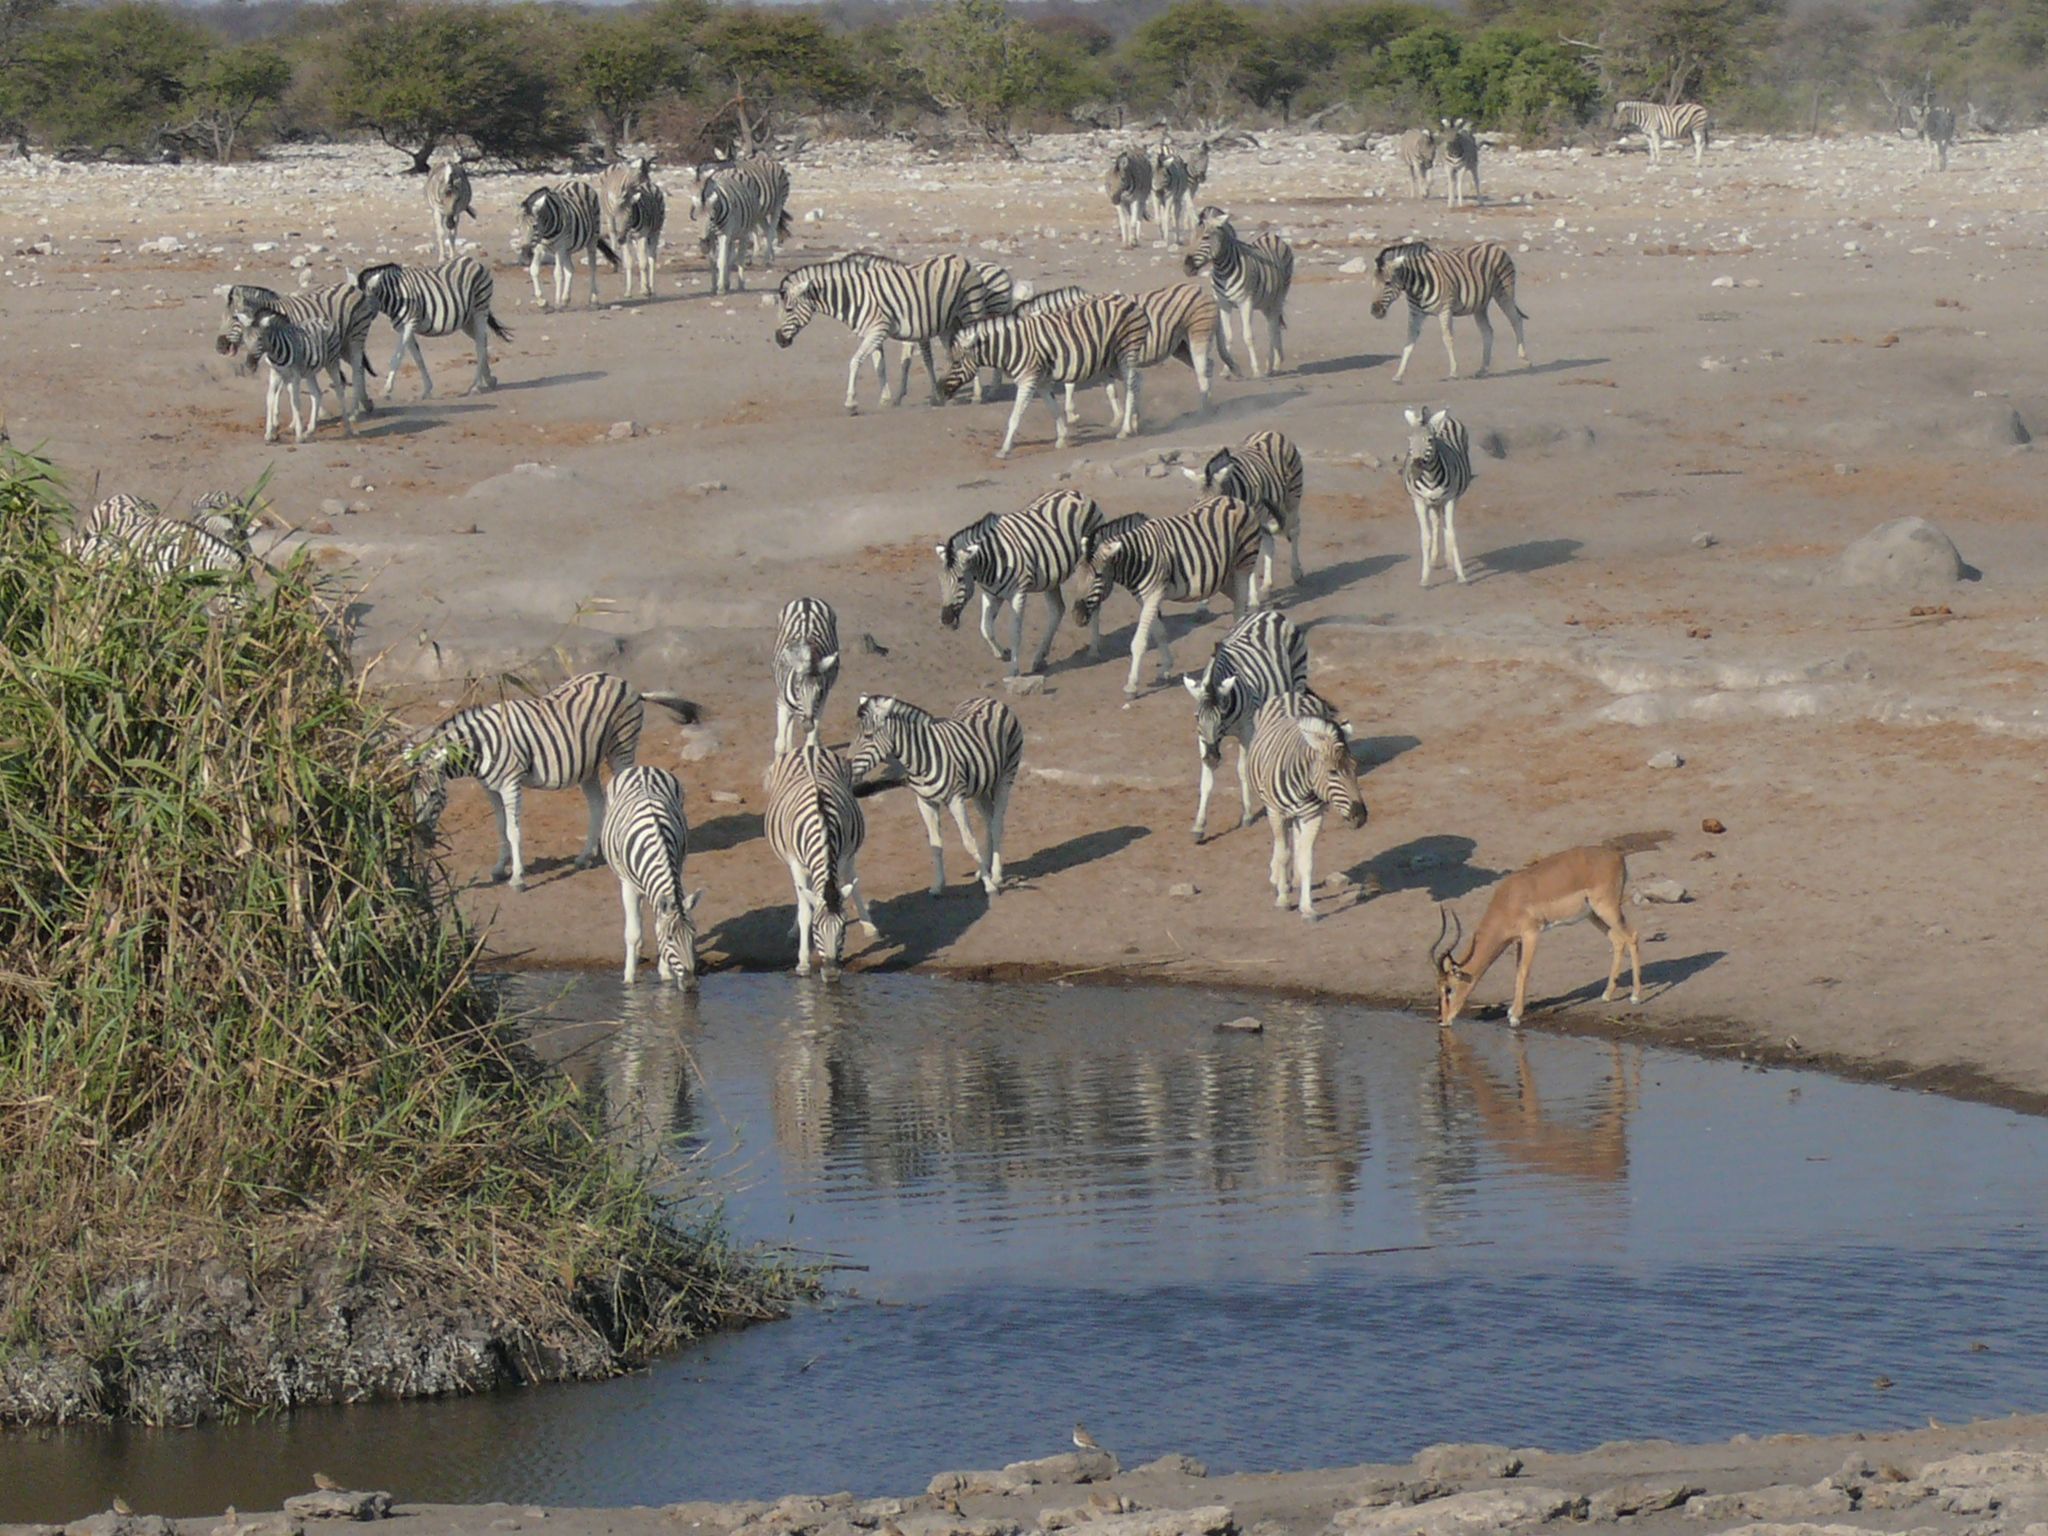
(262, 1138)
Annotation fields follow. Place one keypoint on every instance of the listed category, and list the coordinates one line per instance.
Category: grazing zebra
(972, 756)
(552, 742)
(806, 665)
(766, 186)
(1303, 769)
(435, 301)
(448, 196)
(1936, 127)
(1251, 275)
(879, 300)
(341, 309)
(1263, 656)
(296, 355)
(814, 825)
(1662, 125)
(1437, 472)
(1196, 554)
(1130, 192)
(1096, 338)
(1263, 472)
(1461, 159)
(1007, 558)
(556, 223)
(1173, 193)
(646, 836)
(1449, 280)
(1418, 153)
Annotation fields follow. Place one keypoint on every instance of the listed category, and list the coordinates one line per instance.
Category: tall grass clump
(263, 1139)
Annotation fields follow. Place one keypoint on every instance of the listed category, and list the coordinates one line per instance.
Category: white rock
(1666, 759)
(1658, 888)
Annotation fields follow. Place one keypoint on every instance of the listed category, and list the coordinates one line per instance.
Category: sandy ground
(1874, 352)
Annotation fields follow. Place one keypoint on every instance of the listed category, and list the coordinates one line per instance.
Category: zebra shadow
(1334, 578)
(1358, 362)
(411, 425)
(1556, 365)
(1373, 752)
(588, 376)
(1525, 558)
(723, 832)
(1438, 863)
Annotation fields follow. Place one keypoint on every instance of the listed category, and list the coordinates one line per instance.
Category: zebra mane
(953, 550)
(375, 273)
(1400, 254)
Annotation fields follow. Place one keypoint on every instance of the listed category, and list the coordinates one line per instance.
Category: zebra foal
(880, 300)
(971, 756)
(295, 355)
(1662, 125)
(1206, 550)
(556, 223)
(1262, 657)
(448, 197)
(815, 826)
(806, 665)
(1098, 338)
(1007, 558)
(1249, 275)
(340, 309)
(1264, 472)
(1447, 281)
(1130, 193)
(435, 301)
(1437, 471)
(646, 837)
(1304, 770)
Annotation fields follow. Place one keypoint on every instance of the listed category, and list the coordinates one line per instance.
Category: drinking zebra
(1007, 558)
(646, 836)
(1303, 768)
(1662, 125)
(1437, 471)
(764, 183)
(1418, 154)
(1130, 192)
(448, 196)
(556, 223)
(1263, 656)
(435, 301)
(552, 742)
(972, 756)
(296, 355)
(1249, 275)
(806, 665)
(1196, 554)
(341, 309)
(814, 825)
(1934, 126)
(879, 300)
(1461, 159)
(1097, 338)
(1445, 281)
(1264, 472)
(1172, 193)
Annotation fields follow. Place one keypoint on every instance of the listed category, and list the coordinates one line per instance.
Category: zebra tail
(782, 225)
(687, 710)
(604, 249)
(468, 210)
(496, 329)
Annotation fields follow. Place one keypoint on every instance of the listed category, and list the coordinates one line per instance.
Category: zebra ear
(829, 663)
(1414, 416)
(1228, 685)
(1192, 683)
(1194, 475)
(1437, 420)
(969, 551)
(942, 553)
(691, 899)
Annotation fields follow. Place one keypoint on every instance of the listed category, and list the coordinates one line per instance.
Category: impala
(1564, 888)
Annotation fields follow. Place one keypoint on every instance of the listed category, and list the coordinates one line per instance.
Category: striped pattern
(1181, 321)
(635, 219)
(1936, 128)
(1130, 193)
(1249, 275)
(1007, 558)
(557, 223)
(1051, 301)
(969, 758)
(125, 527)
(881, 300)
(1445, 281)
(646, 836)
(1263, 656)
(341, 310)
(1095, 338)
(814, 825)
(806, 666)
(1173, 193)
(741, 204)
(1196, 554)
(764, 183)
(1437, 472)
(559, 739)
(1665, 125)
(1264, 472)
(1303, 770)
(296, 356)
(1461, 160)
(1418, 154)
(435, 301)
(448, 196)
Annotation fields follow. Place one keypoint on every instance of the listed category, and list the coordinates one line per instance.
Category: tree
(973, 58)
(116, 76)
(226, 90)
(20, 20)
(624, 64)
(1190, 54)
(1681, 50)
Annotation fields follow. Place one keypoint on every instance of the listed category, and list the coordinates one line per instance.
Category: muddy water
(1332, 1242)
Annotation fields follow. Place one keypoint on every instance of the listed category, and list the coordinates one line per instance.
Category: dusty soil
(1874, 353)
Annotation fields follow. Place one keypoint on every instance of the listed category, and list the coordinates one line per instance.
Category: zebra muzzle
(950, 617)
(224, 346)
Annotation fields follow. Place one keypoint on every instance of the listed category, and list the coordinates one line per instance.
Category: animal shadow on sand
(1522, 559)
(589, 376)
(1358, 362)
(723, 832)
(1439, 863)
(1659, 977)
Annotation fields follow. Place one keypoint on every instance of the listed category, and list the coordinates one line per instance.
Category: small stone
(1658, 888)
(333, 507)
(1636, 1498)
(1462, 1463)
(339, 1504)
(1182, 890)
(619, 431)
(1354, 266)
(1842, 469)
(1666, 759)
(1030, 682)
(1781, 1501)
(320, 525)
(708, 487)
(1714, 826)
(1704, 541)
(724, 797)
(1906, 552)
(1247, 1025)
(1156, 471)
(356, 507)
(1176, 1464)
(1723, 282)
(357, 483)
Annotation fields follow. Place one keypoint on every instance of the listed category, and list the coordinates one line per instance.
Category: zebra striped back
(1259, 272)
(1439, 464)
(341, 310)
(559, 220)
(559, 739)
(972, 754)
(1264, 472)
(1030, 550)
(292, 349)
(433, 301)
(1070, 346)
(1178, 320)
(125, 527)
(1263, 656)
(1461, 278)
(1051, 301)
(646, 838)
(1301, 761)
(815, 826)
(1187, 557)
(806, 663)
(911, 302)
(1670, 123)
(1130, 180)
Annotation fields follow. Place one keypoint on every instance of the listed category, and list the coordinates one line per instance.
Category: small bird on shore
(325, 1483)
(1083, 1440)
(121, 1506)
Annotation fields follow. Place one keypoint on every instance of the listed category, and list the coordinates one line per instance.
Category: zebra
(1461, 159)
(1007, 558)
(1418, 153)
(1130, 192)
(435, 301)
(296, 355)
(1263, 656)
(1252, 275)
(1097, 338)
(1437, 471)
(879, 300)
(1936, 127)
(1181, 321)
(1303, 768)
(766, 182)
(619, 178)
(737, 211)
(1172, 193)
(636, 224)
(1659, 124)
(125, 527)
(815, 826)
(1449, 280)
(972, 756)
(1193, 555)
(806, 665)
(550, 742)
(448, 196)
(557, 222)
(1051, 301)
(341, 309)
(646, 836)
(1264, 472)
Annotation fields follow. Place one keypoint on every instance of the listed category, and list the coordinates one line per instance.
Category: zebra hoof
(1201, 836)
